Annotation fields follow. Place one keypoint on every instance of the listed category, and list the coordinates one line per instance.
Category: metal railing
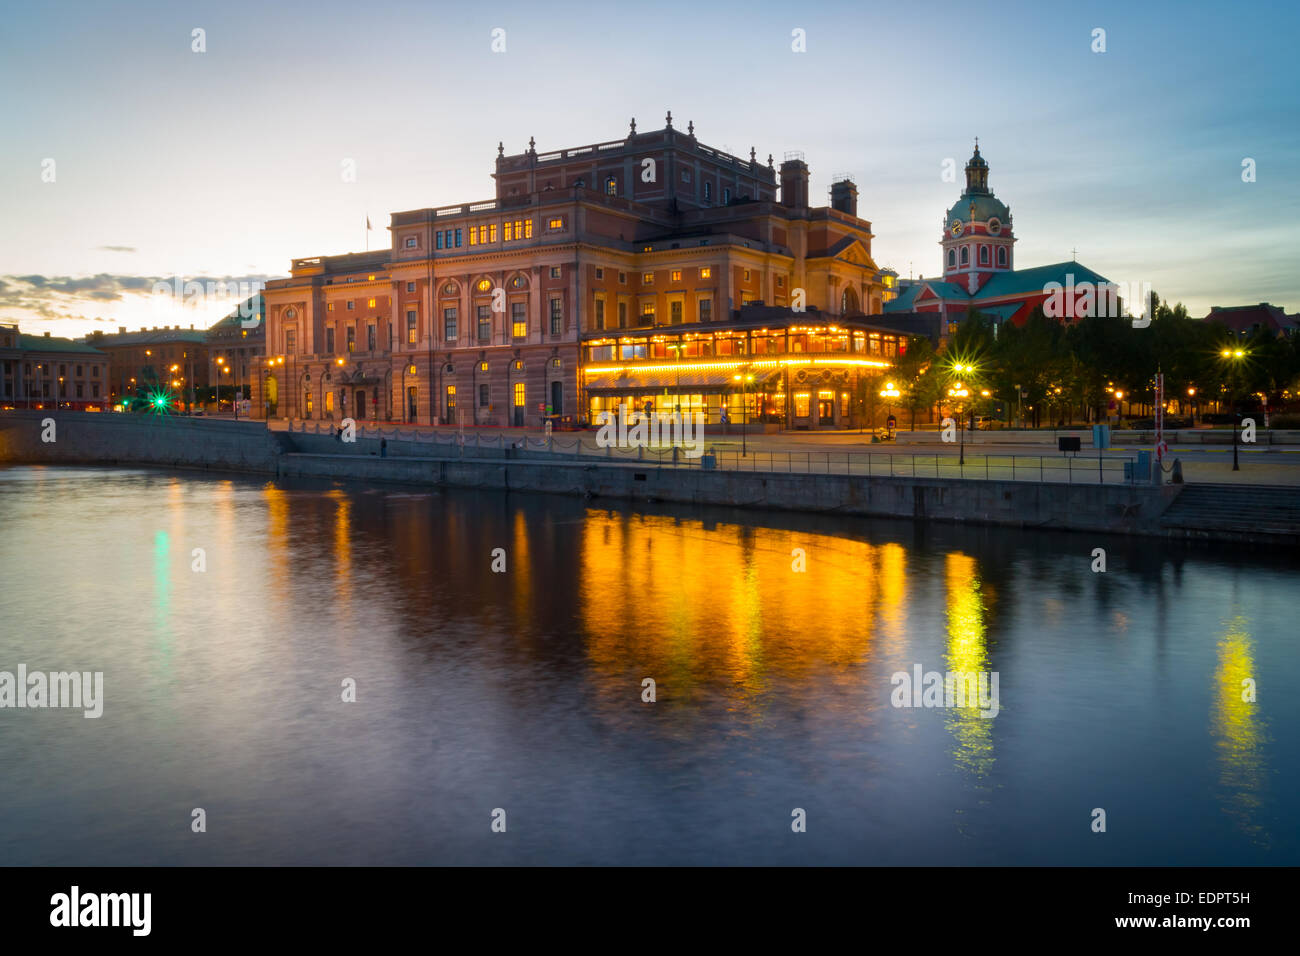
(1082, 469)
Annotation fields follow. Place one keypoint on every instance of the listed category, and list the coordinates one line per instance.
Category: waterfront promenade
(1042, 490)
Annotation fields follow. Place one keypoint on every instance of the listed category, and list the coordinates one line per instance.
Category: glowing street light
(960, 391)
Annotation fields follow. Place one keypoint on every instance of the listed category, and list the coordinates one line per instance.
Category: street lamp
(960, 391)
(1234, 356)
(1191, 404)
(889, 393)
(744, 381)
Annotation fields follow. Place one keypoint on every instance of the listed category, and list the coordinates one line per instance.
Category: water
(522, 690)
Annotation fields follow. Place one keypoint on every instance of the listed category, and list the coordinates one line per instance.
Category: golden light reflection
(720, 607)
(1238, 731)
(967, 653)
(342, 554)
(277, 538)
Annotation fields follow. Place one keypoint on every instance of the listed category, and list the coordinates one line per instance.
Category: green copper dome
(986, 207)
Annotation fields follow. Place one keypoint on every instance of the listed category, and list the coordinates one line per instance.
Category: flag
(368, 226)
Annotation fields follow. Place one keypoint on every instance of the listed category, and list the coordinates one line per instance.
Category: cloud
(66, 297)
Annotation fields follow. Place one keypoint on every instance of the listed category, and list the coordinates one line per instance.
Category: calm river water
(522, 690)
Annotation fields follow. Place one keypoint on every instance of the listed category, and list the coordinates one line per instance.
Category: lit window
(647, 278)
(677, 275)
(410, 326)
(746, 275)
(611, 186)
(492, 232)
(509, 230)
(473, 236)
(528, 229)
(482, 366)
(519, 394)
(519, 320)
(484, 285)
(555, 224)
(706, 273)
(329, 307)
(370, 304)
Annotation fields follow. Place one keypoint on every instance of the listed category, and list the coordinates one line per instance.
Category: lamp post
(889, 393)
(744, 381)
(1233, 356)
(960, 392)
(1191, 405)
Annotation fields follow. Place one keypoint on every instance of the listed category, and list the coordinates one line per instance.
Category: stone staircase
(1257, 511)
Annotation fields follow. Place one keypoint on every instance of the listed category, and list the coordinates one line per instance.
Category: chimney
(844, 197)
(794, 182)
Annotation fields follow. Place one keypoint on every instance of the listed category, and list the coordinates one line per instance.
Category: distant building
(236, 345)
(173, 359)
(41, 371)
(1249, 320)
(979, 265)
(486, 313)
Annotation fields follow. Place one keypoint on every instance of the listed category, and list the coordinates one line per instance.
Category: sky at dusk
(226, 164)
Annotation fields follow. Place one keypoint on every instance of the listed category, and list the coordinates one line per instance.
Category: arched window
(449, 289)
(519, 282)
(952, 258)
(1002, 255)
(984, 255)
(965, 256)
(611, 186)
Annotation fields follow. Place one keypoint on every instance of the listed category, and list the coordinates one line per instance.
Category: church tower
(977, 239)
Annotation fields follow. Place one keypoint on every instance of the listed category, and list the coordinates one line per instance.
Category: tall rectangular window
(457, 238)
(438, 240)
(509, 229)
(519, 319)
(449, 324)
(528, 229)
(484, 396)
(600, 313)
(290, 340)
(451, 402)
(648, 313)
(329, 341)
(675, 313)
(706, 310)
(557, 316)
(519, 394)
(412, 329)
(352, 339)
(492, 232)
(622, 315)
(484, 323)
(473, 236)
(370, 337)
